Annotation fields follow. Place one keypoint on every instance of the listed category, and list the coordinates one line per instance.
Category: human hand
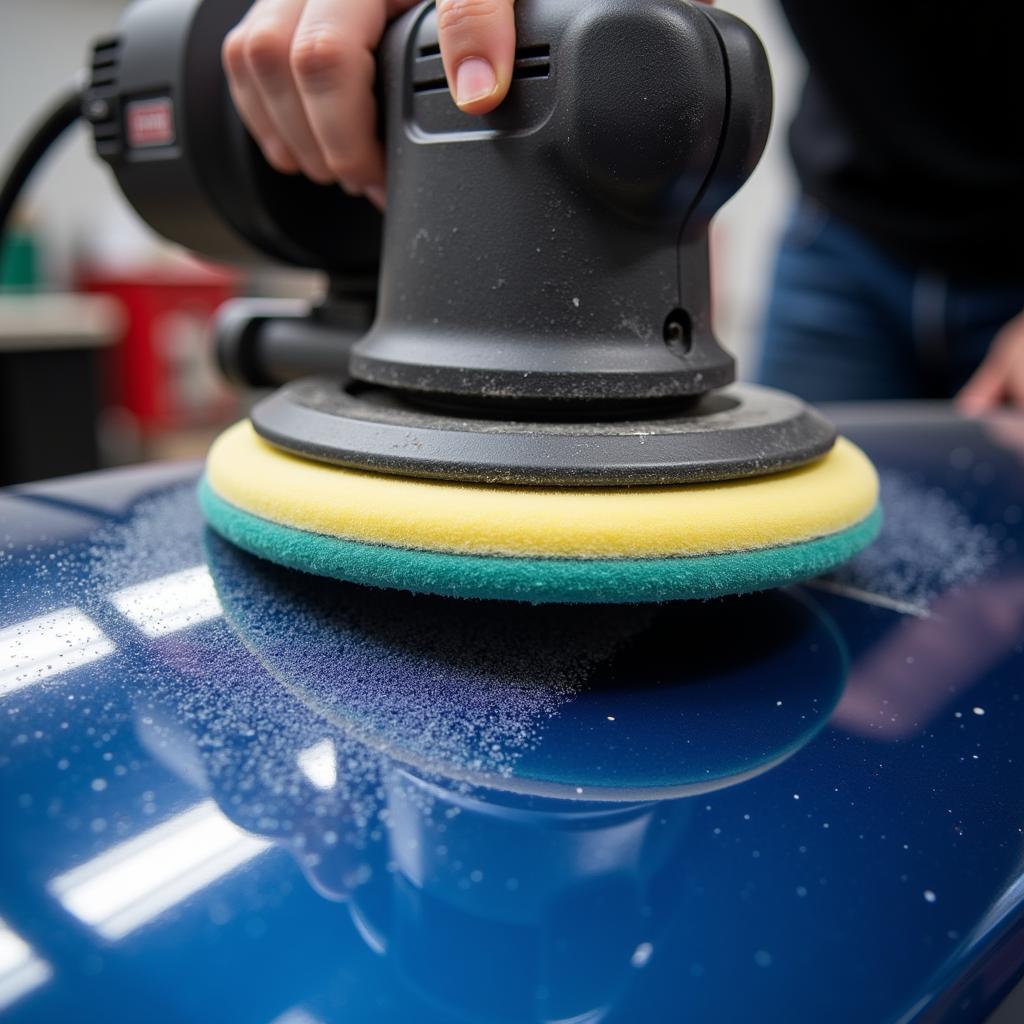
(302, 73)
(1000, 378)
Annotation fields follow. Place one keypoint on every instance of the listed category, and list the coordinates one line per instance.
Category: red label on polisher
(150, 122)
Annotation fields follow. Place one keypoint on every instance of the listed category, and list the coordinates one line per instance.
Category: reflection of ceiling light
(171, 602)
(319, 763)
(20, 969)
(133, 883)
(1010, 901)
(48, 646)
(296, 1015)
(641, 954)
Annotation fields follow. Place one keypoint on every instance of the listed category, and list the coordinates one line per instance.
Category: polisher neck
(555, 252)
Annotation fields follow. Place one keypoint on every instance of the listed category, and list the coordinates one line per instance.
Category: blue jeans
(847, 321)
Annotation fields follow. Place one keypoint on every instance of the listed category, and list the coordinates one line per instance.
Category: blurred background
(105, 348)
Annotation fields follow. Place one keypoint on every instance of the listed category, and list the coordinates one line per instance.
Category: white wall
(749, 225)
(73, 203)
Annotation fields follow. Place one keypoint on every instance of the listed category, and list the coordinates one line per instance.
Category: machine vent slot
(104, 63)
(431, 85)
(529, 52)
(532, 71)
(531, 62)
(101, 105)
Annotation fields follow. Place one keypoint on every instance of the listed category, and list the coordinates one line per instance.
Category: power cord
(61, 116)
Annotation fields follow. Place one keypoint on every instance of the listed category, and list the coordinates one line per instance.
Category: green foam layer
(537, 580)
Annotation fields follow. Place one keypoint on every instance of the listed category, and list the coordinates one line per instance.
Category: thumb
(478, 45)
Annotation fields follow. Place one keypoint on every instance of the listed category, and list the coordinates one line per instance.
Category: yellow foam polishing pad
(829, 496)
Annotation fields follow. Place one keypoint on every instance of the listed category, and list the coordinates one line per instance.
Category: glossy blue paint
(232, 792)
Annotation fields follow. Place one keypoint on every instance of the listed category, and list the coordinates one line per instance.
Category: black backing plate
(742, 431)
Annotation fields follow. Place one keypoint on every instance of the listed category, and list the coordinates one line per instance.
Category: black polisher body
(542, 295)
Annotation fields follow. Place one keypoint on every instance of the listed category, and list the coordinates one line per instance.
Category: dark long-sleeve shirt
(911, 127)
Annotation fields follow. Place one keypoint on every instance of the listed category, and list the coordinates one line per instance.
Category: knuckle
(353, 170)
(233, 53)
(342, 166)
(266, 48)
(321, 54)
(278, 156)
(460, 15)
(319, 175)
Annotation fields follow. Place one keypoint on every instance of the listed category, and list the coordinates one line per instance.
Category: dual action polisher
(512, 388)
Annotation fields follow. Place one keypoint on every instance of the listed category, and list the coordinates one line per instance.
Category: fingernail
(377, 195)
(474, 80)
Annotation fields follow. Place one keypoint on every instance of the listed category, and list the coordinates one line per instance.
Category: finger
(1011, 342)
(986, 387)
(394, 8)
(1008, 433)
(332, 60)
(249, 105)
(478, 46)
(269, 39)
(1015, 385)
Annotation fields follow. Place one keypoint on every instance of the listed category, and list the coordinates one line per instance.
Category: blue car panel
(233, 792)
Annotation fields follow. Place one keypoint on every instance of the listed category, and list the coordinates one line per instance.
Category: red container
(162, 371)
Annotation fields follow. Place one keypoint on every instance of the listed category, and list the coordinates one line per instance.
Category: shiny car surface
(233, 792)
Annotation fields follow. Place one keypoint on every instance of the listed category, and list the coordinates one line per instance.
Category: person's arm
(1000, 378)
(302, 76)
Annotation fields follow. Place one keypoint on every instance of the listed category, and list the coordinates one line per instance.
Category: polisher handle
(262, 343)
(555, 250)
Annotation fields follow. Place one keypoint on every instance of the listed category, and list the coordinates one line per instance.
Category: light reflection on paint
(296, 1015)
(131, 884)
(319, 763)
(1009, 902)
(169, 603)
(21, 970)
(47, 646)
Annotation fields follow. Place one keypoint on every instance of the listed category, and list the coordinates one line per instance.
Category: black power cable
(64, 113)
